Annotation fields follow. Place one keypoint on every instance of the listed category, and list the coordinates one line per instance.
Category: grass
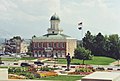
(10, 59)
(17, 59)
(62, 78)
(97, 60)
(3, 67)
(27, 58)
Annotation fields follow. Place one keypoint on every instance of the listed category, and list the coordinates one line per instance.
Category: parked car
(15, 63)
(38, 63)
(1, 63)
(1, 54)
(25, 64)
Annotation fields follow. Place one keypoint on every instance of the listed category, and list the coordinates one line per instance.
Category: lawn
(97, 60)
(27, 58)
(62, 78)
(9, 59)
(16, 59)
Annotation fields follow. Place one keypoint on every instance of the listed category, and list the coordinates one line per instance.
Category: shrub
(100, 68)
(75, 63)
(45, 68)
(83, 70)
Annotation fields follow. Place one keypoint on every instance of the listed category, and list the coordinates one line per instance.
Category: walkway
(115, 63)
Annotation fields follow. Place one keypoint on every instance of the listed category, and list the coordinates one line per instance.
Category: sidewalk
(115, 63)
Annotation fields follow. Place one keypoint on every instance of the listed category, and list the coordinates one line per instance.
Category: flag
(80, 23)
(80, 28)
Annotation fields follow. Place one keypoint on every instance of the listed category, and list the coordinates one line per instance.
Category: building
(54, 43)
(24, 46)
(2, 48)
(12, 46)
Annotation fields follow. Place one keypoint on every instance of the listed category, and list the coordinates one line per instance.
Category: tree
(114, 46)
(16, 38)
(33, 36)
(99, 45)
(82, 54)
(88, 41)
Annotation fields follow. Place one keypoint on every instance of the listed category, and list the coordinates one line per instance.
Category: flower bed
(85, 66)
(47, 73)
(80, 73)
(13, 76)
(83, 70)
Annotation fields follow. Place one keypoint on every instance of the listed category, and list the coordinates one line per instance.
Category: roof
(55, 17)
(103, 76)
(62, 35)
(53, 36)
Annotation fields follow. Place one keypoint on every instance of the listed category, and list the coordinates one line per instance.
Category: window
(40, 44)
(59, 44)
(35, 44)
(35, 52)
(50, 44)
(55, 45)
(63, 45)
(44, 44)
(39, 52)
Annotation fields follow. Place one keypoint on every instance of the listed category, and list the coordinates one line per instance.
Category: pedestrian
(68, 61)
(56, 55)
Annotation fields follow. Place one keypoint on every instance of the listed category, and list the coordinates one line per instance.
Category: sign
(48, 49)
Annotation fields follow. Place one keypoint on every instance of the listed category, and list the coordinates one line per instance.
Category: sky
(26, 18)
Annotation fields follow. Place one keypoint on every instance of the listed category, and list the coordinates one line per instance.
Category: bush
(30, 75)
(44, 68)
(100, 68)
(16, 70)
(75, 63)
(83, 70)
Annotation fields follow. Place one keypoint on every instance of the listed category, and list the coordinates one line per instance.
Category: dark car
(24, 64)
(39, 63)
(1, 63)
(1, 54)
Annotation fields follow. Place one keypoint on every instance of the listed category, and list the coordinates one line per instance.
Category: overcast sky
(31, 17)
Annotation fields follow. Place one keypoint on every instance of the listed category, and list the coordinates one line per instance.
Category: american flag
(80, 26)
(80, 23)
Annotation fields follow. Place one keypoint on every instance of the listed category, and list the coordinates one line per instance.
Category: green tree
(88, 41)
(82, 54)
(99, 45)
(16, 38)
(114, 42)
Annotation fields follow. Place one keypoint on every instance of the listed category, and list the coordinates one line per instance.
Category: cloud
(96, 15)
(26, 17)
(28, 9)
(33, 15)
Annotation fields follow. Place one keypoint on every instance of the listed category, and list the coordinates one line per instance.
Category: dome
(55, 17)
